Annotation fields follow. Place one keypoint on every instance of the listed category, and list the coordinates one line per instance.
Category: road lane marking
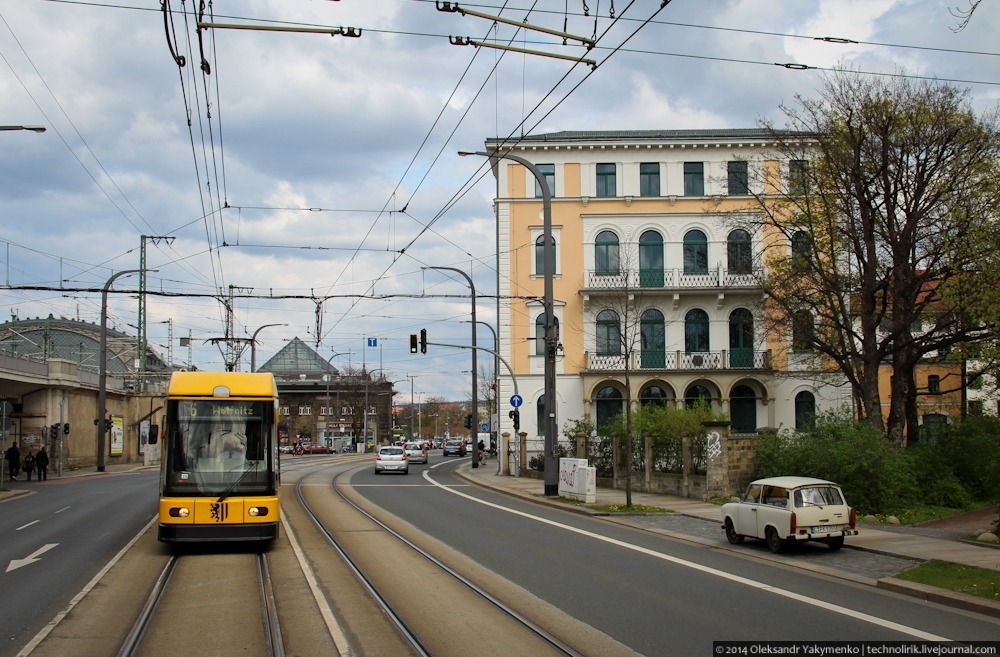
(28, 525)
(31, 558)
(920, 634)
(393, 486)
(336, 633)
(44, 632)
(63, 509)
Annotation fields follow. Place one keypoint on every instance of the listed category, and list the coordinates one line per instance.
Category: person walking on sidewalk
(42, 463)
(13, 456)
(28, 464)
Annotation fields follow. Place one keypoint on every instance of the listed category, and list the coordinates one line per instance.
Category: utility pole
(141, 343)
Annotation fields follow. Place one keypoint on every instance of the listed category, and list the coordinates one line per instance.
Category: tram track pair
(132, 645)
(411, 635)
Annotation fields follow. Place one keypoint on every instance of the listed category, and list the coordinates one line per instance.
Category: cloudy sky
(328, 171)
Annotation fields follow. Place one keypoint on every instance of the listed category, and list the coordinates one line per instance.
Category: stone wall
(732, 460)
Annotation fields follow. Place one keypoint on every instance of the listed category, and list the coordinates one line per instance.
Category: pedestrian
(28, 464)
(42, 463)
(13, 456)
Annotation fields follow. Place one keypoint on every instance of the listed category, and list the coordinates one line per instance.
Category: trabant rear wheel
(774, 542)
(836, 542)
(731, 534)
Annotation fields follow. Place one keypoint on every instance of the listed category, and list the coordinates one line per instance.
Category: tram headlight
(180, 512)
(257, 511)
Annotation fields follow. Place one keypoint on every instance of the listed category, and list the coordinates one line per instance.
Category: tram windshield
(215, 446)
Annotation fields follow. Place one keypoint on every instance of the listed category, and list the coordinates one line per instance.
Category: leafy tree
(885, 221)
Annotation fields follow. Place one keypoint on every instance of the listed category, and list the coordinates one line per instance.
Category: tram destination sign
(220, 409)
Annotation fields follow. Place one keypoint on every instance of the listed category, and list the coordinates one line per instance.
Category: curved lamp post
(253, 345)
(102, 382)
(475, 405)
(549, 261)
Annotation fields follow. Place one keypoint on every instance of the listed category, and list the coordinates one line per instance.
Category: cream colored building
(640, 236)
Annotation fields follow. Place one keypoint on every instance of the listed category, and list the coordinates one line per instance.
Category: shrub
(875, 473)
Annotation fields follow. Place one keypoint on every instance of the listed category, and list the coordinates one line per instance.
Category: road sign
(484, 426)
(515, 400)
(372, 342)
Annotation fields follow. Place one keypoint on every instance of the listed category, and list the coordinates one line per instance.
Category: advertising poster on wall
(143, 436)
(117, 435)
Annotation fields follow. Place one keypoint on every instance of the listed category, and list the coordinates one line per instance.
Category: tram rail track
(133, 644)
(413, 636)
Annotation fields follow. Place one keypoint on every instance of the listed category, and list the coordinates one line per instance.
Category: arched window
(609, 334)
(653, 339)
(606, 259)
(800, 245)
(695, 252)
(651, 259)
(803, 331)
(540, 333)
(696, 331)
(540, 254)
(741, 338)
(697, 395)
(805, 411)
(609, 405)
(654, 395)
(740, 255)
(743, 409)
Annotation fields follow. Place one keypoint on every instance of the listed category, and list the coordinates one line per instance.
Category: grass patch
(621, 508)
(726, 499)
(914, 514)
(981, 582)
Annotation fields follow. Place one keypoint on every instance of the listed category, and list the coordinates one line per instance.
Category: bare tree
(881, 231)
(964, 15)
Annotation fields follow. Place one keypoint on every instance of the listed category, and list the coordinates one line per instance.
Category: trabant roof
(793, 482)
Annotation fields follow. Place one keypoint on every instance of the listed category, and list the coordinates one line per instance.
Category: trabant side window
(818, 496)
(775, 496)
(753, 494)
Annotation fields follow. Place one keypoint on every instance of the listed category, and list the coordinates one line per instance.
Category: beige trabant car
(781, 509)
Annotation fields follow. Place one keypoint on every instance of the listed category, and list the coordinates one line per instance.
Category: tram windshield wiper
(236, 483)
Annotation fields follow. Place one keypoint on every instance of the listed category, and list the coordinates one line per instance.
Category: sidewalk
(22, 487)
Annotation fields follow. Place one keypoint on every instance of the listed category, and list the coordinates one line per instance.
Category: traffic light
(54, 431)
(515, 415)
(413, 343)
(468, 421)
(423, 341)
(66, 428)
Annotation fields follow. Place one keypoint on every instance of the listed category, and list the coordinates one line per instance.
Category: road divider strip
(336, 633)
(868, 618)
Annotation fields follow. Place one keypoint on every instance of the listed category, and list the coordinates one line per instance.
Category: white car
(782, 509)
(391, 458)
(416, 452)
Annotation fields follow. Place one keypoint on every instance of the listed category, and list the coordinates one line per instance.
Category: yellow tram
(219, 475)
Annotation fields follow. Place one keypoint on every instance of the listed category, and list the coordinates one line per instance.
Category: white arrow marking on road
(31, 558)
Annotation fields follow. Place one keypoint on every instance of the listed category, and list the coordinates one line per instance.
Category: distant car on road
(416, 452)
(454, 447)
(784, 509)
(314, 448)
(391, 458)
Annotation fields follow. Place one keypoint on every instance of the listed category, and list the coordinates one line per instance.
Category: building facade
(645, 251)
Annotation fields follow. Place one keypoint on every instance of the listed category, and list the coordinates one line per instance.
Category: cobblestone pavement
(933, 532)
(855, 562)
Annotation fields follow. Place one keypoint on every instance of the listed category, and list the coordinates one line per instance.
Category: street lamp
(253, 345)
(549, 261)
(102, 380)
(326, 377)
(496, 373)
(475, 406)
(33, 128)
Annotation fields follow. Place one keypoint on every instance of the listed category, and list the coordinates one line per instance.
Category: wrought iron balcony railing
(651, 359)
(672, 279)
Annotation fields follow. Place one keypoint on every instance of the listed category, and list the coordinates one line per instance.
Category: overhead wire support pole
(467, 41)
(352, 32)
(453, 8)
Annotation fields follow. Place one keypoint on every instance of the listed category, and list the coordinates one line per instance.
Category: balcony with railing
(673, 279)
(651, 359)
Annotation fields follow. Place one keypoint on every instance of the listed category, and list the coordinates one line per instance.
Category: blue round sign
(515, 400)
(484, 427)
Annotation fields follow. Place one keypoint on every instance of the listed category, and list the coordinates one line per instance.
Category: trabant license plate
(824, 529)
